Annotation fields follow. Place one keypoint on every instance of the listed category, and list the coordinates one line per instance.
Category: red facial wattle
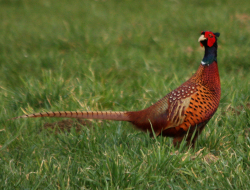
(210, 38)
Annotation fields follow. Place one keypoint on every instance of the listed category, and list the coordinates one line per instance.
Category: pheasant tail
(107, 115)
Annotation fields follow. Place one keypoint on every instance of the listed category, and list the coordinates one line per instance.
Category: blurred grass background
(118, 55)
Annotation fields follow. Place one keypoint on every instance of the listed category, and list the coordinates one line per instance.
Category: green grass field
(118, 55)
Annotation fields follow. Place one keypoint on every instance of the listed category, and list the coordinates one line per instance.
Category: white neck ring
(203, 63)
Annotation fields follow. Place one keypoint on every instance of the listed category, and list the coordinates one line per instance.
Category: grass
(118, 55)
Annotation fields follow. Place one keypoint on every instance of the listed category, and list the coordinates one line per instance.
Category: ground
(118, 55)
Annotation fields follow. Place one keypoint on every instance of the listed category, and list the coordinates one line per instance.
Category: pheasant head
(208, 39)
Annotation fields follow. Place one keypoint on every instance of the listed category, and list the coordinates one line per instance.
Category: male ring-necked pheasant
(186, 109)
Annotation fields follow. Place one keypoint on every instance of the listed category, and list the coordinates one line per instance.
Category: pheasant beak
(201, 38)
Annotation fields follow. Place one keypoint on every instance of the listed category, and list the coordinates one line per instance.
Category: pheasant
(181, 113)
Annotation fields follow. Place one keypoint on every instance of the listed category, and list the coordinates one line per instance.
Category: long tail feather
(105, 115)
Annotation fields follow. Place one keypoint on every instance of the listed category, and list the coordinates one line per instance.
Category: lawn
(118, 55)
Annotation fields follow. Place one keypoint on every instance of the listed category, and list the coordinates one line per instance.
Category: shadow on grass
(68, 124)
